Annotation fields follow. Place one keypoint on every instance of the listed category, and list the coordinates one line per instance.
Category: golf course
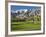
(26, 19)
(27, 25)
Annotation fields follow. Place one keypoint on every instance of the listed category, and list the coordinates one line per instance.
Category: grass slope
(25, 26)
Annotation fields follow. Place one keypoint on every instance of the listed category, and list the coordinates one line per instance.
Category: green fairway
(25, 26)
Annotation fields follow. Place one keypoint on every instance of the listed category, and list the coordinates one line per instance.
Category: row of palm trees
(26, 15)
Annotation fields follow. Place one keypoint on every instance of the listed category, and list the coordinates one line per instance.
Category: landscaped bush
(18, 20)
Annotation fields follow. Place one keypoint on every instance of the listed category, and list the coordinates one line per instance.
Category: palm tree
(18, 12)
(28, 11)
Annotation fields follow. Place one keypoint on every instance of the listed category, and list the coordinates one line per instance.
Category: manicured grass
(25, 26)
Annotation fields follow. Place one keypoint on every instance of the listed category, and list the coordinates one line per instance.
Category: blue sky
(15, 7)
